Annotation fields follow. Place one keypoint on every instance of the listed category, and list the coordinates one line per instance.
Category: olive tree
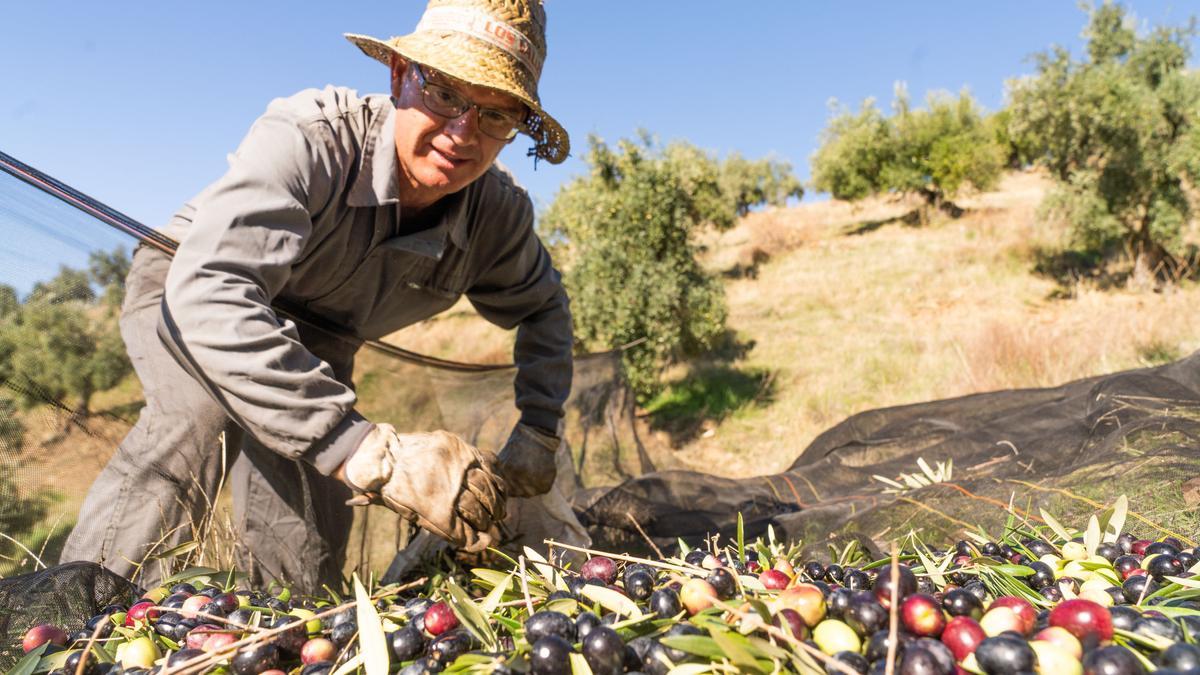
(1119, 130)
(61, 344)
(932, 152)
(627, 244)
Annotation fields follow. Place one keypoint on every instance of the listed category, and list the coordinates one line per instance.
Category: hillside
(839, 308)
(834, 308)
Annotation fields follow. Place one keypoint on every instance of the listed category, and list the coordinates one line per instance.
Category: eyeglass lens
(447, 102)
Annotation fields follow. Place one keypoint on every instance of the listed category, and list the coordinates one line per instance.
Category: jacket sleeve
(247, 231)
(523, 289)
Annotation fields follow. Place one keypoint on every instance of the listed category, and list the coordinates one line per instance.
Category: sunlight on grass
(712, 392)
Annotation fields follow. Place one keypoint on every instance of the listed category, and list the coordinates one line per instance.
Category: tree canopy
(1120, 131)
(627, 230)
(932, 152)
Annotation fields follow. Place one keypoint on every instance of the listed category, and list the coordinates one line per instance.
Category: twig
(525, 586)
(642, 532)
(952, 519)
(49, 535)
(685, 568)
(211, 617)
(33, 555)
(87, 649)
(892, 611)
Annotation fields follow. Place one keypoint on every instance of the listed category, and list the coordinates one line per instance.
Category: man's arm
(522, 289)
(248, 230)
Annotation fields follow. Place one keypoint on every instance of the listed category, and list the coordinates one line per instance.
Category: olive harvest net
(938, 468)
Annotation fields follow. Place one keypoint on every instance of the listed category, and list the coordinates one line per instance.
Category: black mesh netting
(1070, 449)
(66, 595)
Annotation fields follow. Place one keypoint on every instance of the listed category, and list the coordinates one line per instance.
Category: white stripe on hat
(483, 26)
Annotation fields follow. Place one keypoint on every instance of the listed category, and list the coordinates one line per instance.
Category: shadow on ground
(706, 396)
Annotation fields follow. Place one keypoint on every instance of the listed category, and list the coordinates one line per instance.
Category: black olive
(1003, 654)
(551, 655)
(961, 602)
(853, 660)
(1112, 660)
(256, 659)
(639, 584)
(665, 603)
(604, 651)
(407, 643)
(549, 622)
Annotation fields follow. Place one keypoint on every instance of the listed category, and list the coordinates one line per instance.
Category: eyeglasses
(501, 125)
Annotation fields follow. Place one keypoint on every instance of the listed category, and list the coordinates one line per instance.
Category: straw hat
(499, 44)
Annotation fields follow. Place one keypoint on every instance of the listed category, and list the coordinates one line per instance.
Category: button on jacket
(308, 212)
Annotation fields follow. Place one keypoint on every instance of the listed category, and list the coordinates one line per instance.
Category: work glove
(437, 479)
(527, 461)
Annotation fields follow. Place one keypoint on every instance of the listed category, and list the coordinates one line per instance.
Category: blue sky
(137, 103)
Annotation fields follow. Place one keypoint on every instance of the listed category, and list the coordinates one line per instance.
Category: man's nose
(464, 128)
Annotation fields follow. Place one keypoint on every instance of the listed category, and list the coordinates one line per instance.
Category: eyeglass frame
(519, 123)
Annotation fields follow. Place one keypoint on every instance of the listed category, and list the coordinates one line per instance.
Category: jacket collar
(377, 184)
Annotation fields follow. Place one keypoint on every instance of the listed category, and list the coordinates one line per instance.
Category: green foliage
(63, 342)
(10, 304)
(12, 432)
(12, 439)
(62, 350)
(1119, 133)
(932, 152)
(18, 514)
(765, 181)
(69, 285)
(108, 270)
(854, 150)
(628, 249)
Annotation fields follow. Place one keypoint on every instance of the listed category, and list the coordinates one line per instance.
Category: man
(374, 213)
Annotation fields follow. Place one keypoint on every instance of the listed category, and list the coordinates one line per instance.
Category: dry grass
(896, 314)
(459, 334)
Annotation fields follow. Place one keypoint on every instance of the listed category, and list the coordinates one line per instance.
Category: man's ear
(399, 68)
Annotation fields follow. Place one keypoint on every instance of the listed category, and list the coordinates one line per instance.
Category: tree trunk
(1152, 261)
(78, 417)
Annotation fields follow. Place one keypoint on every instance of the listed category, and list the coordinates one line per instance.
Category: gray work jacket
(309, 212)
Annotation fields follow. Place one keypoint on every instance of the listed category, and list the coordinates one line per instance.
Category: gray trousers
(292, 523)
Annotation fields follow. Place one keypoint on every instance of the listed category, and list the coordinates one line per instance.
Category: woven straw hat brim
(471, 61)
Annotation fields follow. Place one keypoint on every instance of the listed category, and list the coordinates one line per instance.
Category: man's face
(438, 155)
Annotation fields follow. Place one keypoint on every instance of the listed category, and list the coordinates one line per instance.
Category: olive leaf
(738, 650)
(189, 573)
(611, 600)
(697, 645)
(1091, 538)
(1116, 522)
(371, 642)
(567, 606)
(174, 551)
(741, 539)
(472, 618)
(551, 578)
(1055, 525)
(579, 665)
(492, 601)
(491, 578)
(29, 662)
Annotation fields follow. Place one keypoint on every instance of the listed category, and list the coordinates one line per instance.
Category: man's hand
(445, 484)
(527, 461)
